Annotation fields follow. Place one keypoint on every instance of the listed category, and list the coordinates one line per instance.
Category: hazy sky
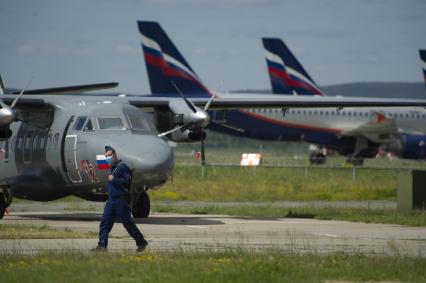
(71, 42)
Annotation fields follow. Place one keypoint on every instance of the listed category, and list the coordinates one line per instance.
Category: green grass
(389, 216)
(280, 154)
(271, 184)
(28, 231)
(228, 266)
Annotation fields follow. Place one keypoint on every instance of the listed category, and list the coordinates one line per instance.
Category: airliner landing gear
(355, 161)
(141, 206)
(317, 158)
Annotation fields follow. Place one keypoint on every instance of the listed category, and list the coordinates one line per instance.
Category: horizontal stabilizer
(71, 89)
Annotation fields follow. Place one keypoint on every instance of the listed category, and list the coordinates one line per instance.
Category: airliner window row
(341, 113)
(37, 142)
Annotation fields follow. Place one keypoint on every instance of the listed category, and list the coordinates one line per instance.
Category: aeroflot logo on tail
(154, 49)
(291, 77)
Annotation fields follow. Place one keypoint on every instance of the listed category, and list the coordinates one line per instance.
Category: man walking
(118, 202)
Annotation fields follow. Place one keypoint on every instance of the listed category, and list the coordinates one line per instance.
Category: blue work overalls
(116, 205)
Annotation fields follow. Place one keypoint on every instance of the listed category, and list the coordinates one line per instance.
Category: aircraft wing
(264, 101)
(380, 130)
(376, 131)
(70, 89)
(273, 101)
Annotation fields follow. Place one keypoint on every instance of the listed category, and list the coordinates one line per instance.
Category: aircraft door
(70, 155)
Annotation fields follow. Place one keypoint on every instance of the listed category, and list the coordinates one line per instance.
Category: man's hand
(110, 177)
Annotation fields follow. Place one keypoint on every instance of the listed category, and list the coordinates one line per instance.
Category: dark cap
(108, 148)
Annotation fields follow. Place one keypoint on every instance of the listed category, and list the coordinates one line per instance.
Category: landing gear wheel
(355, 161)
(317, 158)
(2, 206)
(142, 206)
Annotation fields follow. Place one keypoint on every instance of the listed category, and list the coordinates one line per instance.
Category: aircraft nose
(150, 157)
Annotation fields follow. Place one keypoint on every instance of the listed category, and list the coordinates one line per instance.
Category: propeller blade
(207, 106)
(171, 131)
(190, 105)
(2, 104)
(209, 102)
(19, 95)
(203, 156)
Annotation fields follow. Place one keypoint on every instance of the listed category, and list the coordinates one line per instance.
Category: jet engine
(409, 146)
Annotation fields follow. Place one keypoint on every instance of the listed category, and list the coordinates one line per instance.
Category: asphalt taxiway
(218, 232)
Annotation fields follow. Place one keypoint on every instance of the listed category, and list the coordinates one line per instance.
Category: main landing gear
(355, 161)
(317, 158)
(3, 204)
(141, 205)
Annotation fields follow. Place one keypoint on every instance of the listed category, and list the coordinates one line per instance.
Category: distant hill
(370, 89)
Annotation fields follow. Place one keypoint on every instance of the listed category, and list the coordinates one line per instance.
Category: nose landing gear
(2, 205)
(141, 205)
(5, 200)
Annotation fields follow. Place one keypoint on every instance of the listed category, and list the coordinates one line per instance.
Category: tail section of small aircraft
(166, 66)
(286, 73)
(423, 58)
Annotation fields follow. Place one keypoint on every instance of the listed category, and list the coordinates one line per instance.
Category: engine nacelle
(414, 147)
(409, 146)
(187, 136)
(165, 120)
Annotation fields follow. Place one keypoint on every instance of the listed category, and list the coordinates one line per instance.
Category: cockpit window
(138, 121)
(89, 126)
(80, 123)
(110, 124)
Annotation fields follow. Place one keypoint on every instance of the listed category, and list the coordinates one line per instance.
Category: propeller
(203, 150)
(198, 118)
(7, 113)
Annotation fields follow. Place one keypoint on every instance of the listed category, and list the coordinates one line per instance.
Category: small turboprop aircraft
(52, 145)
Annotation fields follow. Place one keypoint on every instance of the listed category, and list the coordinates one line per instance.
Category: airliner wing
(375, 131)
(272, 101)
(380, 131)
(261, 101)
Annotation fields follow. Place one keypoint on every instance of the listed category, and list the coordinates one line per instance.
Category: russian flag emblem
(101, 162)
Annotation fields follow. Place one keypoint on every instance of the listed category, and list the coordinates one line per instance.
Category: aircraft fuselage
(58, 153)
